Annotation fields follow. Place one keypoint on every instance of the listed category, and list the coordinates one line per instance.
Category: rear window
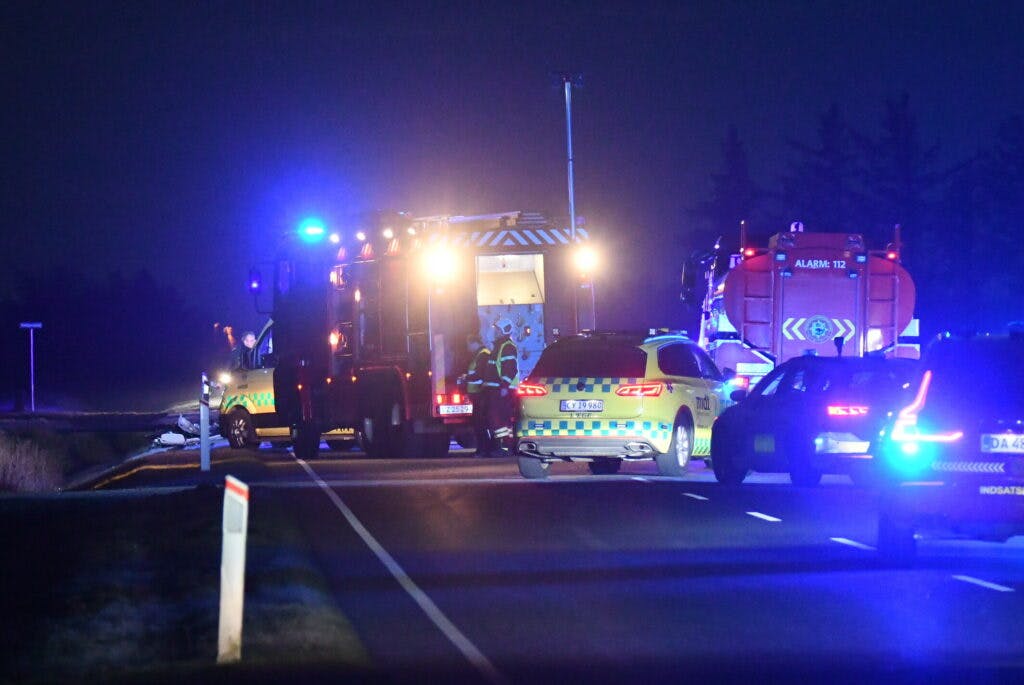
(591, 359)
(872, 379)
(980, 374)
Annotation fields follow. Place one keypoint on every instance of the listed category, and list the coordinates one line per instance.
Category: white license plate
(454, 409)
(1004, 443)
(581, 405)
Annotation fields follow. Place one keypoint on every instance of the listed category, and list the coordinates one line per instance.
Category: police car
(607, 397)
(956, 451)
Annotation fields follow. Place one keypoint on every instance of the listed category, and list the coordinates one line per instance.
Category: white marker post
(232, 570)
(204, 425)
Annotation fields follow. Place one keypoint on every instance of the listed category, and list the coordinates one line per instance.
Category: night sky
(181, 137)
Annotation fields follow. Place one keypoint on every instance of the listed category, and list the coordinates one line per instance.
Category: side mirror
(728, 374)
(738, 395)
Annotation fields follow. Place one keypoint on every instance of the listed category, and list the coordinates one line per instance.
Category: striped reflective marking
(983, 583)
(764, 517)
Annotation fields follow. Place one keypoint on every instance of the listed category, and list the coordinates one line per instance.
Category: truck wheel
(436, 445)
(896, 543)
(680, 449)
(306, 441)
(240, 430)
(605, 467)
(380, 436)
(801, 472)
(533, 469)
(727, 458)
(341, 445)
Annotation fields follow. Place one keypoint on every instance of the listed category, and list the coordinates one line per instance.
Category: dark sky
(180, 137)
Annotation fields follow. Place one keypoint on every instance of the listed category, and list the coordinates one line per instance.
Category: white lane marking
(457, 638)
(853, 543)
(984, 583)
(693, 495)
(763, 517)
(641, 479)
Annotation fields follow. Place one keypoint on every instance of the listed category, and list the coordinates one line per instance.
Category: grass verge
(42, 460)
(120, 585)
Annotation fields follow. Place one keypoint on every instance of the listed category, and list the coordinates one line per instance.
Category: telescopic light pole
(32, 327)
(569, 80)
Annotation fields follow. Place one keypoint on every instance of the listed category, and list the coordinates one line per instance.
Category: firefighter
(481, 381)
(506, 360)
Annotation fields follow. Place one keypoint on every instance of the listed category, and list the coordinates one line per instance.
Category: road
(461, 565)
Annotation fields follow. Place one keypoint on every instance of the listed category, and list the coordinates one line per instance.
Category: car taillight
(640, 390)
(906, 429)
(846, 410)
(526, 390)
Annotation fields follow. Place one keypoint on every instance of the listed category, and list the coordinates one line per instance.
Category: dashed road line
(437, 617)
(853, 543)
(984, 583)
(693, 495)
(764, 517)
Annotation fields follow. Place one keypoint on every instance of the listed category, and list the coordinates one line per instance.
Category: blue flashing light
(312, 230)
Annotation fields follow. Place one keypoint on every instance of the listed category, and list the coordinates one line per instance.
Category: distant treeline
(119, 342)
(962, 221)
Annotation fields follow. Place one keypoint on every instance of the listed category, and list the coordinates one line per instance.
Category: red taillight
(906, 427)
(456, 398)
(891, 255)
(640, 390)
(846, 410)
(525, 390)
(749, 252)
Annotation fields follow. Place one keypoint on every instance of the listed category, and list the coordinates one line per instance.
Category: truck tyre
(341, 445)
(533, 469)
(605, 467)
(896, 543)
(802, 472)
(380, 436)
(727, 458)
(675, 461)
(240, 430)
(306, 441)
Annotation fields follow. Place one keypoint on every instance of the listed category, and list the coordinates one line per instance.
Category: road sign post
(204, 425)
(232, 570)
(32, 327)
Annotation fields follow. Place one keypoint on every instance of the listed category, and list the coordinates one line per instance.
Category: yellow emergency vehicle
(606, 397)
(248, 412)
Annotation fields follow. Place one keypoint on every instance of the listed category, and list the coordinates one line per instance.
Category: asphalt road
(461, 565)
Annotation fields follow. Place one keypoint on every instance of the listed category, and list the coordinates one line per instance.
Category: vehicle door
(258, 381)
(685, 384)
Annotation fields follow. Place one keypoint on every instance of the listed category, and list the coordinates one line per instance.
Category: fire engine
(805, 293)
(370, 324)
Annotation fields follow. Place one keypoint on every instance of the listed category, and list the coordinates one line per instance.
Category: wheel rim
(239, 430)
(682, 445)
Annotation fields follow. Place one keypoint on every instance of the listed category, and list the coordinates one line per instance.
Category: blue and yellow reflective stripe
(590, 385)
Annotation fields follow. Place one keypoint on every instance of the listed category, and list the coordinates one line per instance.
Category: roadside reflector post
(232, 570)
(204, 425)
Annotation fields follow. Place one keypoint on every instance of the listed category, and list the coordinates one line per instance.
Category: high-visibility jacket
(508, 363)
(481, 372)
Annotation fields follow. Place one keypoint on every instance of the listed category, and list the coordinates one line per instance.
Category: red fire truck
(370, 323)
(806, 293)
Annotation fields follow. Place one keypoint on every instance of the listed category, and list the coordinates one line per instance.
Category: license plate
(582, 405)
(454, 409)
(1004, 443)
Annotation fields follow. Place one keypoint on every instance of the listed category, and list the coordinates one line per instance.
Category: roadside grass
(42, 460)
(127, 586)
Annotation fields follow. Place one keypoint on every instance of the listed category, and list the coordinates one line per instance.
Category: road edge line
(433, 612)
(983, 583)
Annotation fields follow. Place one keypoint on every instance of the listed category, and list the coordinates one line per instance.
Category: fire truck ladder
(883, 304)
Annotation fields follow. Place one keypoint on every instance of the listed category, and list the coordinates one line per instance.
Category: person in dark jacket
(245, 356)
(482, 387)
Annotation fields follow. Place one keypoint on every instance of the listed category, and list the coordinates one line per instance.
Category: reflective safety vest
(481, 372)
(508, 363)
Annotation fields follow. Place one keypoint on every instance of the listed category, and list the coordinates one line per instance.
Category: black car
(956, 451)
(811, 415)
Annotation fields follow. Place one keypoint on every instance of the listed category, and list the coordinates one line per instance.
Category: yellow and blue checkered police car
(605, 397)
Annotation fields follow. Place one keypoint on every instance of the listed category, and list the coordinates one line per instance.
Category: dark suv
(811, 415)
(956, 452)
